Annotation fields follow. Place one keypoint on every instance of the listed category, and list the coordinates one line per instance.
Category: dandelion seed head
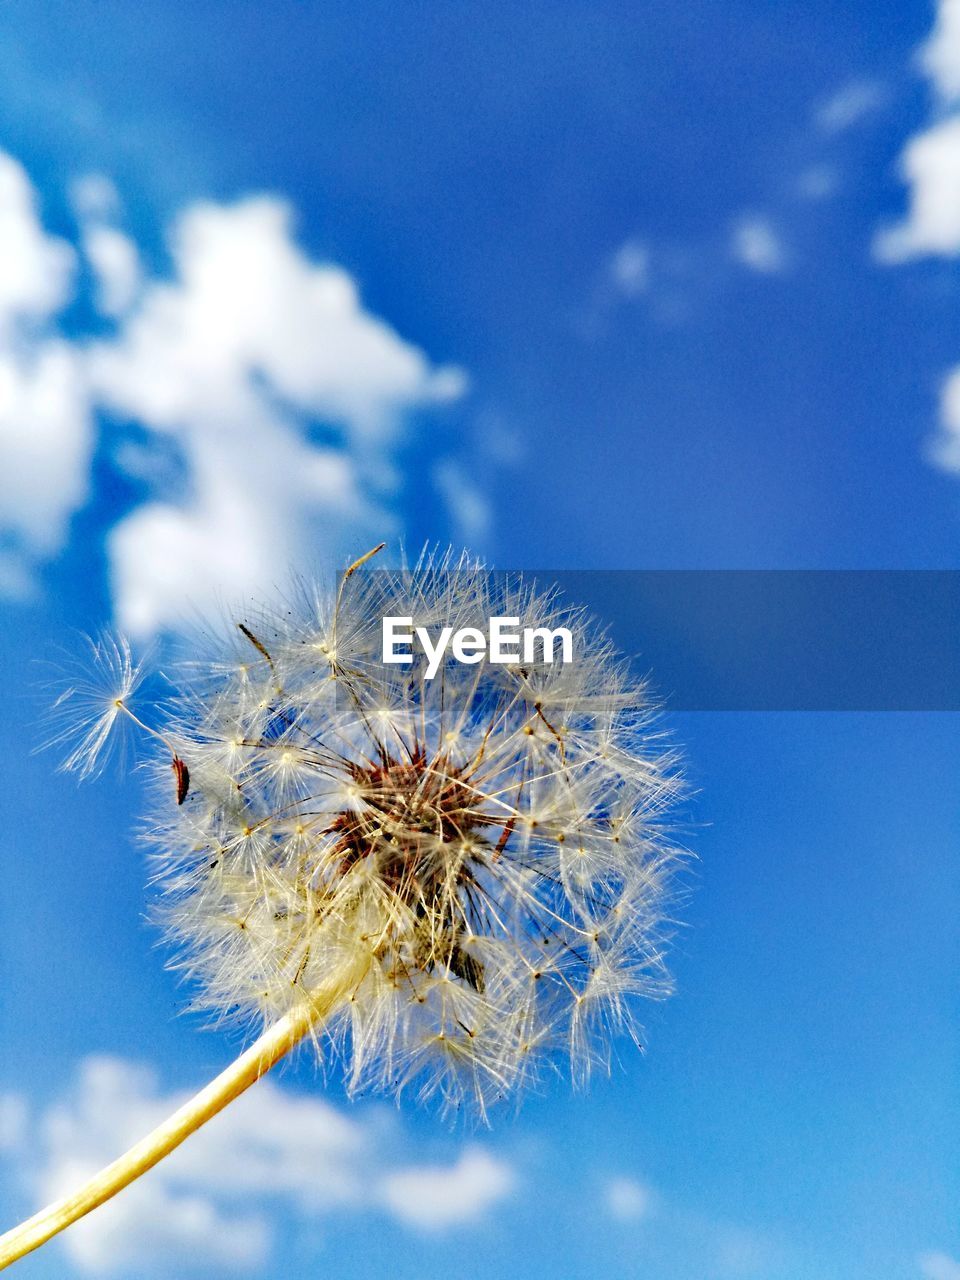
(486, 848)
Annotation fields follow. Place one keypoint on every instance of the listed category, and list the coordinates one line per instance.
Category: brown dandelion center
(415, 818)
(407, 807)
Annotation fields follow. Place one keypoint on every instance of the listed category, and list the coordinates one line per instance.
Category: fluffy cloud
(46, 442)
(212, 1206)
(930, 166)
(116, 265)
(755, 245)
(930, 163)
(938, 1266)
(231, 364)
(251, 318)
(433, 1197)
(940, 56)
(46, 432)
(37, 275)
(257, 401)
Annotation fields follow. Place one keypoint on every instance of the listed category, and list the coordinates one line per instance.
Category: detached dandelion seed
(84, 717)
(453, 883)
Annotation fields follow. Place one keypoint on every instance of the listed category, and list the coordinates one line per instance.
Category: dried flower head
(483, 849)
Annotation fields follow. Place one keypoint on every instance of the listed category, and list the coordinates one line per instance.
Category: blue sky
(583, 286)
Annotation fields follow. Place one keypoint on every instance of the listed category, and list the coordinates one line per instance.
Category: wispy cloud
(755, 244)
(818, 182)
(852, 103)
(707, 1245)
(213, 1206)
(468, 508)
(944, 448)
(13, 1121)
(668, 281)
(938, 1266)
(629, 271)
(628, 1200)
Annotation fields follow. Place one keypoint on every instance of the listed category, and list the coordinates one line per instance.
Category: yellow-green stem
(239, 1076)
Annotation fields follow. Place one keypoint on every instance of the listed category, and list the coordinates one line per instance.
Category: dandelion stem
(253, 1063)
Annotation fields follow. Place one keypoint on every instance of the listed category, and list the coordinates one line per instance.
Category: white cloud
(945, 448)
(626, 275)
(232, 361)
(17, 580)
(13, 1121)
(46, 442)
(262, 500)
(755, 244)
(95, 197)
(851, 103)
(930, 162)
(818, 182)
(742, 1252)
(116, 264)
(251, 318)
(46, 432)
(628, 1200)
(212, 1206)
(149, 1229)
(269, 403)
(433, 1197)
(630, 269)
(723, 1248)
(198, 1204)
(938, 1266)
(468, 507)
(940, 55)
(36, 269)
(930, 165)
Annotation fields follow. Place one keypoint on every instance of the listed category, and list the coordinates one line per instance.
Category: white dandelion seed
(452, 883)
(84, 718)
